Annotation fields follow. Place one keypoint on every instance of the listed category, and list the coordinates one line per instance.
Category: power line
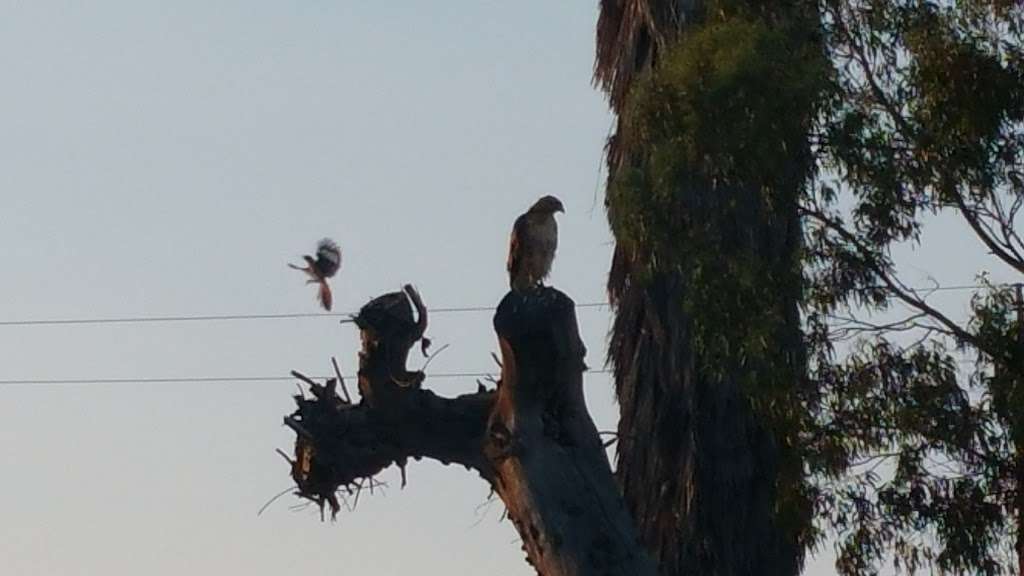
(243, 379)
(951, 288)
(223, 379)
(147, 319)
(346, 315)
(38, 381)
(232, 317)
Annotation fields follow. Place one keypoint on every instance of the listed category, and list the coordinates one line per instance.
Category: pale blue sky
(168, 158)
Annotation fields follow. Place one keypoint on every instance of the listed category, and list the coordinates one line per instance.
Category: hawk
(319, 269)
(532, 246)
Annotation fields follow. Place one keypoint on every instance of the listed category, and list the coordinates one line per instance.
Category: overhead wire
(232, 317)
(283, 378)
(313, 315)
(224, 379)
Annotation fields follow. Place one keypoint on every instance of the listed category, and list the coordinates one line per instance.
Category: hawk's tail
(326, 299)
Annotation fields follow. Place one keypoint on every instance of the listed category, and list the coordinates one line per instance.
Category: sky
(162, 158)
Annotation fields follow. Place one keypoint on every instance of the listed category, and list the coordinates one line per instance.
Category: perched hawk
(319, 269)
(532, 247)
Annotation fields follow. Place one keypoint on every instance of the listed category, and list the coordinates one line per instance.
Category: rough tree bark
(713, 486)
(532, 439)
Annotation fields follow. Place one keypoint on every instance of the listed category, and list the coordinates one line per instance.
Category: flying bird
(319, 269)
(532, 246)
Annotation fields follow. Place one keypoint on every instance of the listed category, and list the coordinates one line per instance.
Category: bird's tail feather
(326, 299)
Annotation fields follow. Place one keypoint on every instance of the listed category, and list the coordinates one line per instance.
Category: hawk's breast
(546, 233)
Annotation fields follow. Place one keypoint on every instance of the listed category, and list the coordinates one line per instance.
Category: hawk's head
(547, 205)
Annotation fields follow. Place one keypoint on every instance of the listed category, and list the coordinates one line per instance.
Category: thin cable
(946, 288)
(231, 317)
(145, 319)
(40, 381)
(951, 288)
(302, 315)
(240, 379)
(221, 379)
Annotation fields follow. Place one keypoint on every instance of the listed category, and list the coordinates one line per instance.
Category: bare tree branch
(981, 233)
(895, 287)
(531, 438)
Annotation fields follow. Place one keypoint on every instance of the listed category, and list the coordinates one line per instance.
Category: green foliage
(771, 156)
(1000, 335)
(906, 444)
(729, 105)
(715, 154)
(915, 455)
(963, 94)
(722, 124)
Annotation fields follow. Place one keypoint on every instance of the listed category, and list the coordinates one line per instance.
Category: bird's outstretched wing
(309, 269)
(328, 258)
(319, 269)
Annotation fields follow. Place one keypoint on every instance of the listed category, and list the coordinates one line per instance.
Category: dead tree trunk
(531, 439)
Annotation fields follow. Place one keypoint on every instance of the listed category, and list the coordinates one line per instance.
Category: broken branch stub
(388, 332)
(531, 439)
(338, 443)
(550, 467)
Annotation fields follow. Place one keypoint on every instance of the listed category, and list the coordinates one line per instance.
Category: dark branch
(531, 438)
(338, 444)
(551, 468)
(895, 287)
(979, 230)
